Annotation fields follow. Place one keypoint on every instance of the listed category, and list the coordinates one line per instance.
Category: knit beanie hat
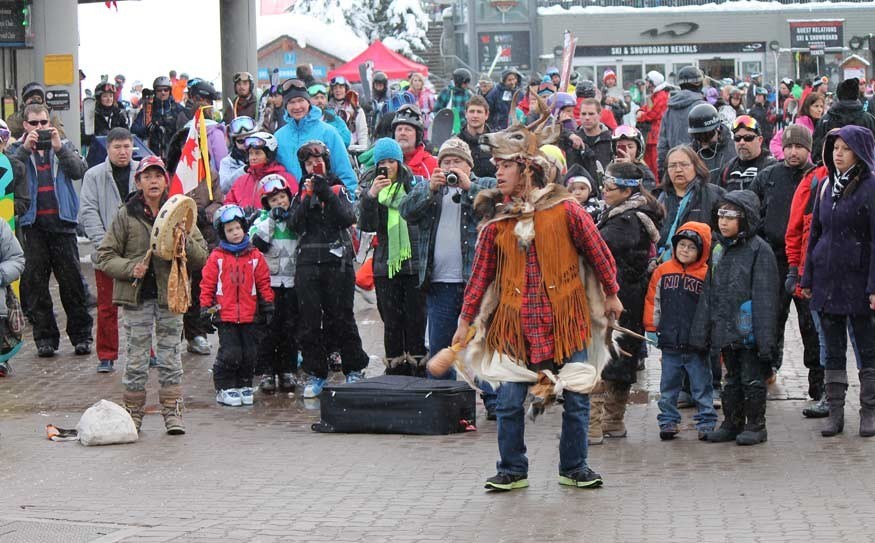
(849, 89)
(798, 134)
(458, 148)
(609, 73)
(295, 91)
(388, 148)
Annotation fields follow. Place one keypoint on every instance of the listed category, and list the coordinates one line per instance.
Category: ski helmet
(624, 132)
(380, 77)
(271, 184)
(574, 77)
(690, 76)
(655, 78)
(162, 81)
(552, 70)
(314, 148)
(243, 76)
(104, 87)
(229, 213)
(461, 76)
(338, 80)
(410, 114)
(264, 141)
(203, 89)
(585, 89)
(560, 100)
(703, 118)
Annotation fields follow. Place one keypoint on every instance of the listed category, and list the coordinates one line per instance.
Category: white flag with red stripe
(190, 169)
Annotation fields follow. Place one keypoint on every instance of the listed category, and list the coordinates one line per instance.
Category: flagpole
(202, 137)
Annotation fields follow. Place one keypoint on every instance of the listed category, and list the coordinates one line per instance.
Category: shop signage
(58, 99)
(826, 33)
(513, 46)
(668, 49)
(672, 30)
(12, 24)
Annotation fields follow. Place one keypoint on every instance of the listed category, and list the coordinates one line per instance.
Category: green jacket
(126, 243)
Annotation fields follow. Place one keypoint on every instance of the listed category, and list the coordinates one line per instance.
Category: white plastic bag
(106, 423)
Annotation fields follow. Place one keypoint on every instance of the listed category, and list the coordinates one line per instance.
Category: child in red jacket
(236, 278)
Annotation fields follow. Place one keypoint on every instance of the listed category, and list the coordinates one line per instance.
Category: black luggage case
(397, 404)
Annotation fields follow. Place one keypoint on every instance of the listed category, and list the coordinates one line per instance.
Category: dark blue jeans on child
(698, 368)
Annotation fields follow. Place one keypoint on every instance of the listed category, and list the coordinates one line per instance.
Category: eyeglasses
(610, 189)
(230, 212)
(43, 122)
(242, 125)
(746, 137)
(745, 121)
(338, 80)
(729, 214)
(678, 165)
(290, 84)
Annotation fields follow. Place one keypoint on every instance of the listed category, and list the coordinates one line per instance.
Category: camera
(452, 179)
(44, 140)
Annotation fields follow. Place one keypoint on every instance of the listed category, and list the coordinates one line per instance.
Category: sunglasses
(290, 84)
(747, 137)
(230, 213)
(162, 89)
(745, 121)
(43, 122)
(338, 80)
(241, 125)
(729, 214)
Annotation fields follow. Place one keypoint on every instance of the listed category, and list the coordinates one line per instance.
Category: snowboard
(366, 70)
(88, 105)
(441, 127)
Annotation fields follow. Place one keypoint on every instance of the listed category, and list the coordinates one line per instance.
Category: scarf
(396, 227)
(235, 247)
(665, 250)
(840, 181)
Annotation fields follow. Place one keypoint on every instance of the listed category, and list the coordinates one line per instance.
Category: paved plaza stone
(260, 474)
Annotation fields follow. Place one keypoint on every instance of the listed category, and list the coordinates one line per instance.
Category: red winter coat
(799, 225)
(421, 162)
(653, 114)
(236, 282)
(245, 191)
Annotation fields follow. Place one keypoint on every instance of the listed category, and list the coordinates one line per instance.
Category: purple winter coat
(840, 268)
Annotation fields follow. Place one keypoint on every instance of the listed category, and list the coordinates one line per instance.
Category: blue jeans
(444, 303)
(674, 364)
(511, 430)
(815, 316)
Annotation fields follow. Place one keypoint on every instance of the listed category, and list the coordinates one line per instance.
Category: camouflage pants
(140, 325)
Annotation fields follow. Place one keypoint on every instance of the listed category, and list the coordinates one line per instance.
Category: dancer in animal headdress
(542, 284)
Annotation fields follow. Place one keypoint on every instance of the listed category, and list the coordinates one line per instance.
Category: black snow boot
(733, 417)
(867, 402)
(755, 411)
(836, 388)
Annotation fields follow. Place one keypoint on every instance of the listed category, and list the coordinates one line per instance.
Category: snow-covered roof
(740, 5)
(854, 57)
(336, 39)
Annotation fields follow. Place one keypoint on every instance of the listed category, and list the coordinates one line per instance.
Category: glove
(265, 310)
(320, 187)
(792, 280)
(652, 336)
(205, 313)
(279, 214)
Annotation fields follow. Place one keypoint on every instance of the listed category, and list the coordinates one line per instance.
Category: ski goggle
(230, 212)
(338, 80)
(272, 184)
(625, 131)
(104, 88)
(622, 182)
(729, 214)
(4, 134)
(242, 76)
(241, 125)
(317, 89)
(290, 84)
(312, 149)
(254, 142)
(746, 121)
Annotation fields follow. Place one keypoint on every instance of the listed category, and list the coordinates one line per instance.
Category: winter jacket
(700, 207)
(67, 165)
(767, 127)
(841, 113)
(20, 185)
(739, 174)
(125, 245)
(236, 281)
(673, 130)
(840, 264)
(345, 135)
(296, 133)
(323, 226)
(775, 187)
(718, 156)
(483, 166)
(230, 170)
(799, 224)
(673, 294)
(630, 229)
(356, 123)
(246, 191)
(597, 151)
(738, 308)
(453, 98)
(501, 101)
(162, 127)
(243, 107)
(11, 262)
(425, 102)
(107, 118)
(373, 217)
(278, 242)
(421, 162)
(100, 201)
(652, 114)
(423, 206)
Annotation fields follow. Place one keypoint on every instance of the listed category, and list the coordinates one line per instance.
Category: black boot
(755, 412)
(733, 419)
(815, 383)
(817, 411)
(867, 402)
(836, 388)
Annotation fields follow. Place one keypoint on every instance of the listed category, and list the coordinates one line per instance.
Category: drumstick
(145, 261)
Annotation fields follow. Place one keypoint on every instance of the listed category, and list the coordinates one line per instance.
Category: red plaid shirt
(537, 313)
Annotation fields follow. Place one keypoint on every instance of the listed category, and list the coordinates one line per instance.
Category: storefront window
(511, 11)
(655, 67)
(718, 68)
(631, 72)
(587, 73)
(460, 12)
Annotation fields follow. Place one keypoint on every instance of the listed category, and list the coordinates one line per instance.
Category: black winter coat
(775, 187)
(740, 174)
(483, 166)
(767, 127)
(374, 217)
(322, 224)
(841, 113)
(743, 270)
(105, 119)
(598, 150)
(719, 156)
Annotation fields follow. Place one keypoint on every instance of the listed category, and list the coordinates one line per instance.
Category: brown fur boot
(170, 398)
(134, 402)
(616, 396)
(596, 412)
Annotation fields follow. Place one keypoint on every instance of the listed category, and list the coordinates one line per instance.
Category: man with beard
(739, 174)
(408, 129)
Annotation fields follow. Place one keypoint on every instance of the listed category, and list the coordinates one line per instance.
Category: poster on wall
(859, 73)
(512, 48)
(821, 34)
